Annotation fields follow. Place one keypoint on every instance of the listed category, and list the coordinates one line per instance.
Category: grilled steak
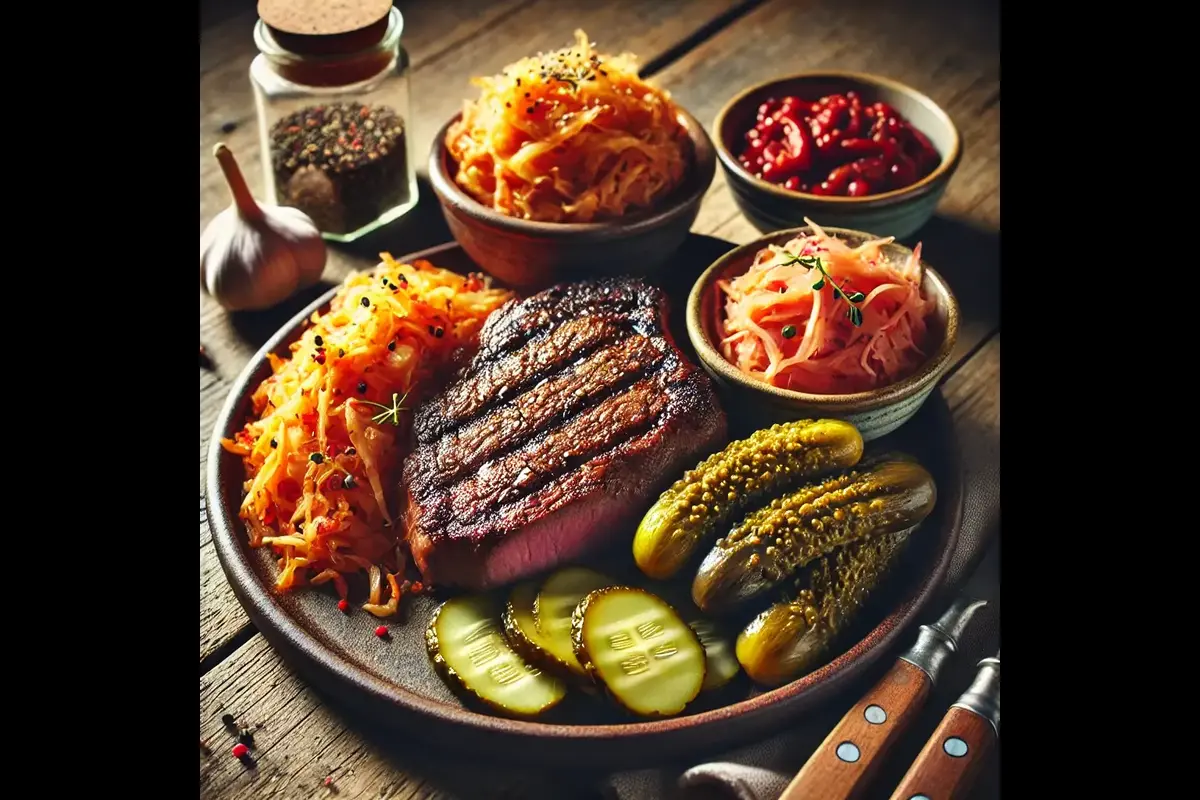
(577, 410)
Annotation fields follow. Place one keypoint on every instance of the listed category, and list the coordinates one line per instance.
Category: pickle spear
(790, 638)
(467, 647)
(723, 485)
(883, 494)
(552, 609)
(635, 644)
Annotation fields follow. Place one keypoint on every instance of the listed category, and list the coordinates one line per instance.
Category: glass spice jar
(333, 128)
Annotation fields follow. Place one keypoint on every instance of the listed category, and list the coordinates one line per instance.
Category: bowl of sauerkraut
(825, 322)
(568, 162)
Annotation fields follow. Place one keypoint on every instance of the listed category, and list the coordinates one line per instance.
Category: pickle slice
(635, 644)
(520, 627)
(466, 644)
(720, 660)
(552, 610)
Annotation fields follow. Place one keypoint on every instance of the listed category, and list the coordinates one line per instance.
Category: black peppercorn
(392, 345)
(362, 387)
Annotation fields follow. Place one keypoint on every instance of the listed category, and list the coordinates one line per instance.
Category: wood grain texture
(305, 740)
(449, 43)
(941, 776)
(950, 52)
(866, 741)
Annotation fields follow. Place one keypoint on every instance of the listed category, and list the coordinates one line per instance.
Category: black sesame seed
(362, 387)
(348, 482)
(789, 331)
(274, 443)
(392, 345)
(350, 451)
(227, 720)
(318, 341)
(437, 332)
(366, 302)
(341, 353)
(316, 458)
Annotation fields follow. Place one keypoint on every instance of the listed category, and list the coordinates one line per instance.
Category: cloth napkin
(762, 771)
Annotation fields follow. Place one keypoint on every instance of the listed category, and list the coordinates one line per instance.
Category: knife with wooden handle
(948, 763)
(842, 767)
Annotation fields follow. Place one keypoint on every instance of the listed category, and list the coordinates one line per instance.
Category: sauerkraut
(569, 136)
(331, 423)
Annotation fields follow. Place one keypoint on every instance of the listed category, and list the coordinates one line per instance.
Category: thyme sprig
(839, 292)
(388, 413)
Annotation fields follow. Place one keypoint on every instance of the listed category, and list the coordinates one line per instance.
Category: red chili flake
(343, 606)
(319, 357)
(381, 631)
(329, 780)
(240, 750)
(418, 587)
(366, 112)
(356, 144)
(289, 490)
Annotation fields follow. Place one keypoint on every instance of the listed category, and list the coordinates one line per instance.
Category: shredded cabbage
(780, 329)
(569, 136)
(322, 454)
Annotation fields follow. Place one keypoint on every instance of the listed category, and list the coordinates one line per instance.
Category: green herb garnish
(839, 292)
(388, 413)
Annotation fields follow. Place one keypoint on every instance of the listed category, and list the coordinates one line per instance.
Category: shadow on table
(968, 257)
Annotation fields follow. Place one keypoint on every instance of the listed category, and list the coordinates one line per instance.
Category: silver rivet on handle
(848, 751)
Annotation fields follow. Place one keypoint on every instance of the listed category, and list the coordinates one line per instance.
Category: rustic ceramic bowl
(898, 213)
(876, 412)
(528, 254)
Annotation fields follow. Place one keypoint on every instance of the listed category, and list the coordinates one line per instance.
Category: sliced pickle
(466, 644)
(635, 644)
(552, 609)
(720, 659)
(521, 630)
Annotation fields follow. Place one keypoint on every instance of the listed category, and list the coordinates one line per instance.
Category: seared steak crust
(576, 411)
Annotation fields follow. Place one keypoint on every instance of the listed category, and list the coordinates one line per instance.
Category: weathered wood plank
(304, 740)
(949, 51)
(449, 43)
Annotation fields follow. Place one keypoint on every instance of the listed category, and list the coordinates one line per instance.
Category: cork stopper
(325, 27)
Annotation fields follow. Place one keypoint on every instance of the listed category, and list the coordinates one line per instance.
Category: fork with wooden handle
(844, 764)
(948, 763)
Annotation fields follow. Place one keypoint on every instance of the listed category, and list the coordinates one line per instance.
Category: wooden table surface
(703, 52)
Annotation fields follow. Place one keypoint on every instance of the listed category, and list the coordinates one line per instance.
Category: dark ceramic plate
(393, 682)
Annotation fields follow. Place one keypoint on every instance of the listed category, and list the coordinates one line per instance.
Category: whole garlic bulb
(253, 256)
